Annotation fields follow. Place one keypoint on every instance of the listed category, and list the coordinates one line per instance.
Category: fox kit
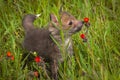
(40, 41)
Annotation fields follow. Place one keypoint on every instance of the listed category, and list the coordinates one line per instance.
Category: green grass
(98, 59)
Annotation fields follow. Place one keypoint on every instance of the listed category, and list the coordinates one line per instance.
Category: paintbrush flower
(82, 36)
(36, 73)
(10, 56)
(86, 19)
(37, 59)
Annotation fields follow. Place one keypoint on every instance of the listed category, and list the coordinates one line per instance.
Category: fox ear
(53, 18)
(53, 24)
(61, 9)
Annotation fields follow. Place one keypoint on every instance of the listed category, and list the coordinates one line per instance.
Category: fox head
(68, 23)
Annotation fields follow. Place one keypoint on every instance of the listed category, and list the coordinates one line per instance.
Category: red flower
(12, 57)
(8, 54)
(86, 19)
(36, 74)
(37, 59)
(82, 36)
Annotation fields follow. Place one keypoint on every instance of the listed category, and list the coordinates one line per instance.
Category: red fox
(40, 41)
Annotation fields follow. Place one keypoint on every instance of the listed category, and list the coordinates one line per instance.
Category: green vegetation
(98, 59)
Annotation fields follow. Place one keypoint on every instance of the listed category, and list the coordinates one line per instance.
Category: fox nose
(80, 24)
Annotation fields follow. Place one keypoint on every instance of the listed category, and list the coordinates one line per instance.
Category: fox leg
(54, 69)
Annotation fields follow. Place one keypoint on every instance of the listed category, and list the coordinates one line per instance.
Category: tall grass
(98, 59)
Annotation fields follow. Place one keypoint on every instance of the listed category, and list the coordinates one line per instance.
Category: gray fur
(40, 41)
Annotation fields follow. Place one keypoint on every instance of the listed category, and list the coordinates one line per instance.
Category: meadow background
(98, 59)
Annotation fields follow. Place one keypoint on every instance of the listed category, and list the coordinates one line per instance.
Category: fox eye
(70, 23)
